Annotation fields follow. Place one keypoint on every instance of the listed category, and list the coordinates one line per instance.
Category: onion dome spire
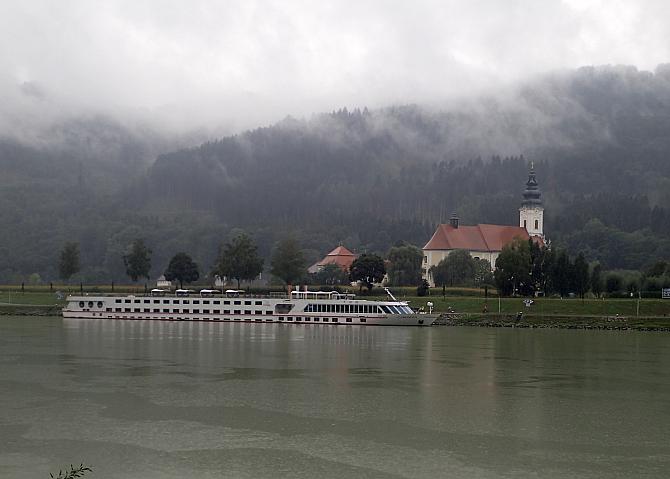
(532, 194)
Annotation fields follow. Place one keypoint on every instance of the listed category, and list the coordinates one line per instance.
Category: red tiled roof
(342, 261)
(340, 256)
(341, 251)
(475, 238)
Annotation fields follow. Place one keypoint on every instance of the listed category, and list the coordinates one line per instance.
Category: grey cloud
(232, 65)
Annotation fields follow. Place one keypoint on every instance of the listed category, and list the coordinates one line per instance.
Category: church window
(524, 224)
(536, 224)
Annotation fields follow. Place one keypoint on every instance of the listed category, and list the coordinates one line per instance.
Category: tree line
(525, 268)
(238, 260)
(528, 268)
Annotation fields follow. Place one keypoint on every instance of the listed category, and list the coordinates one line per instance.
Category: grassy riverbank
(545, 306)
(13, 300)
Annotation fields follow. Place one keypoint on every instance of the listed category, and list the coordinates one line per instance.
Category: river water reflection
(154, 399)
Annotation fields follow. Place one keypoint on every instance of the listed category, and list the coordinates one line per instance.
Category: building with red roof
(340, 256)
(485, 241)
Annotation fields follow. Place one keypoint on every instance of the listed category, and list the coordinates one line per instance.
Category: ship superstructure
(300, 307)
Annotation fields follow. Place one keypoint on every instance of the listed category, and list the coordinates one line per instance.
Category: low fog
(220, 67)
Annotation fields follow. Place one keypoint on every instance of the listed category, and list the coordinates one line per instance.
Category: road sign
(665, 294)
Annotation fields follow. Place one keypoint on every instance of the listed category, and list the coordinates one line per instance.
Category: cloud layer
(231, 65)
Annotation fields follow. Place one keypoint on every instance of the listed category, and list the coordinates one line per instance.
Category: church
(484, 241)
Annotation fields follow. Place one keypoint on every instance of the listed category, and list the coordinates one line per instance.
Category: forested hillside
(599, 138)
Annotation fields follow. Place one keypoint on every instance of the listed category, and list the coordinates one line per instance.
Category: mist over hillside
(369, 178)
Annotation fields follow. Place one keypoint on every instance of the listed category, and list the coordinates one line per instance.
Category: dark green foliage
(513, 267)
(656, 283)
(330, 274)
(581, 275)
(73, 472)
(367, 269)
(137, 260)
(423, 289)
(596, 280)
(659, 268)
(525, 268)
(482, 272)
(404, 265)
(562, 274)
(69, 261)
(440, 276)
(239, 260)
(288, 261)
(633, 286)
(459, 267)
(613, 283)
(183, 269)
(542, 262)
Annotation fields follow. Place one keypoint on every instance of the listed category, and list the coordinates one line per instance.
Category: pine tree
(581, 275)
(69, 261)
(596, 280)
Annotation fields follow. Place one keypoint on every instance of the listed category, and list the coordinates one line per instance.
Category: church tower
(531, 213)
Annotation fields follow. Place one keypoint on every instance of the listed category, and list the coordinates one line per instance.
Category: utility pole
(638, 303)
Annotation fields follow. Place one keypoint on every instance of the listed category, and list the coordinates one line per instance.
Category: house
(340, 256)
(162, 283)
(484, 241)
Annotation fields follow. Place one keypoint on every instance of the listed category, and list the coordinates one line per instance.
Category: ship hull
(259, 311)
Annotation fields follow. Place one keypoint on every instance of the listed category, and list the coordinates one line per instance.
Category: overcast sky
(247, 62)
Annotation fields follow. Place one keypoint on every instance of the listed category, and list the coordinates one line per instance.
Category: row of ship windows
(187, 311)
(357, 308)
(297, 319)
(185, 301)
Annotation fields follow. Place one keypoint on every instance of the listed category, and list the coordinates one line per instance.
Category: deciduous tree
(513, 267)
(613, 283)
(239, 260)
(137, 260)
(405, 265)
(482, 272)
(330, 274)
(460, 268)
(367, 269)
(288, 261)
(183, 269)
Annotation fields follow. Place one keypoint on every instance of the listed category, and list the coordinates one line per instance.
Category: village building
(340, 256)
(484, 241)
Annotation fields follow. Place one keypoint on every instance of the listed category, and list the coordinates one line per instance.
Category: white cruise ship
(301, 307)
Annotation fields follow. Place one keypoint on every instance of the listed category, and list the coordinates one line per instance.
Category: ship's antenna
(390, 294)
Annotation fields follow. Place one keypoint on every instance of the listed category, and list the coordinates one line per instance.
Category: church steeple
(532, 195)
(531, 213)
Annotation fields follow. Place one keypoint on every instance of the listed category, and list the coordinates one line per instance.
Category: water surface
(142, 399)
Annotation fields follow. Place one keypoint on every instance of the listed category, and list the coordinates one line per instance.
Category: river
(141, 399)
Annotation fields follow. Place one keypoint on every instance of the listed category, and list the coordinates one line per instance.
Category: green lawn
(460, 304)
(544, 306)
(31, 298)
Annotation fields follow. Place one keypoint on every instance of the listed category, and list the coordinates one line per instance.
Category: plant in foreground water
(73, 473)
